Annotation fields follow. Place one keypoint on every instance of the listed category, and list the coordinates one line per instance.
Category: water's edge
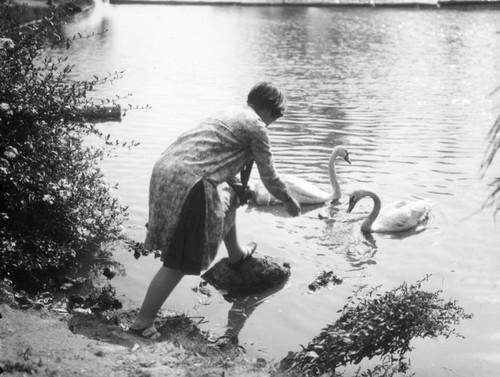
(323, 3)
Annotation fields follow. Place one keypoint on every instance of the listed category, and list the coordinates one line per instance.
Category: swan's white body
(395, 217)
(303, 191)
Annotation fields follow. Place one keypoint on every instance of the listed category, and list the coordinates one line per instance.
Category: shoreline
(25, 12)
(322, 3)
(68, 334)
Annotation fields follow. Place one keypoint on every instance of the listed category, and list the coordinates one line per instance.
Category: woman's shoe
(149, 332)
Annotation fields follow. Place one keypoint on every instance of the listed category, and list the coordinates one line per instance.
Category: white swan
(395, 217)
(303, 191)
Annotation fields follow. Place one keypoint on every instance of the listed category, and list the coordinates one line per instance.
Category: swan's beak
(346, 157)
(352, 203)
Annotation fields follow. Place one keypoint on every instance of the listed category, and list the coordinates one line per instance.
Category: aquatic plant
(54, 200)
(323, 279)
(378, 325)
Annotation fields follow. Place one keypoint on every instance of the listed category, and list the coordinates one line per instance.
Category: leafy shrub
(54, 200)
(378, 325)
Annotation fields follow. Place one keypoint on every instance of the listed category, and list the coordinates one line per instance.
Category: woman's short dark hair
(266, 95)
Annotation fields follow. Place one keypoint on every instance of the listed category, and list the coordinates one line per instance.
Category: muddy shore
(62, 333)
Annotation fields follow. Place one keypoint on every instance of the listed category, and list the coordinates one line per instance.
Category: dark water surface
(409, 92)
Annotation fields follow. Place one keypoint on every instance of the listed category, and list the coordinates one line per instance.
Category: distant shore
(323, 3)
(24, 11)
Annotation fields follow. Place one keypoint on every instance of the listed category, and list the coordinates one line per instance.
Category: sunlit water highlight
(409, 92)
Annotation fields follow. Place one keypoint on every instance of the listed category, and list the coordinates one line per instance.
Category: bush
(54, 200)
(378, 325)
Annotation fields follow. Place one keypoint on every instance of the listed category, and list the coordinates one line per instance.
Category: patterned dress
(209, 155)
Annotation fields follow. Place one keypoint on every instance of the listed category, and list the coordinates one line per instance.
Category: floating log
(102, 113)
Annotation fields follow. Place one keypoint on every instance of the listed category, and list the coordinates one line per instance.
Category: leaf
(312, 355)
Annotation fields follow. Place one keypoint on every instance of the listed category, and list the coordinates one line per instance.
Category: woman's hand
(292, 207)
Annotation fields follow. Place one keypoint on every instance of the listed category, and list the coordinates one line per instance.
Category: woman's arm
(261, 151)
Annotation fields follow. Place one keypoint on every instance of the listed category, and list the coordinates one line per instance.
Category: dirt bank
(50, 341)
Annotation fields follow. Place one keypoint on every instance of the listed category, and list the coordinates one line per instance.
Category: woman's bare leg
(163, 283)
(234, 250)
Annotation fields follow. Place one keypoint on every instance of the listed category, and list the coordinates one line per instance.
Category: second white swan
(395, 217)
(303, 191)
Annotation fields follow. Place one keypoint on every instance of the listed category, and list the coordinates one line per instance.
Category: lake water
(411, 94)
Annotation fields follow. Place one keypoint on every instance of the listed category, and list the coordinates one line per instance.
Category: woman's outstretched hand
(292, 207)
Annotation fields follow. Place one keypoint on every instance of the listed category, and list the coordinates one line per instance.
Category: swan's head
(355, 197)
(341, 151)
(352, 203)
(346, 157)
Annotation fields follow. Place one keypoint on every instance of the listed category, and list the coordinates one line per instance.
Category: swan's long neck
(333, 175)
(367, 224)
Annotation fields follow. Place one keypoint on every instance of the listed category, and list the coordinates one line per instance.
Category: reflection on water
(358, 248)
(407, 91)
(243, 307)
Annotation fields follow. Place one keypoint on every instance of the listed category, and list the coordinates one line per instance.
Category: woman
(191, 206)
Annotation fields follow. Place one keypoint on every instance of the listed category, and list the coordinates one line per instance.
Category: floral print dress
(211, 154)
